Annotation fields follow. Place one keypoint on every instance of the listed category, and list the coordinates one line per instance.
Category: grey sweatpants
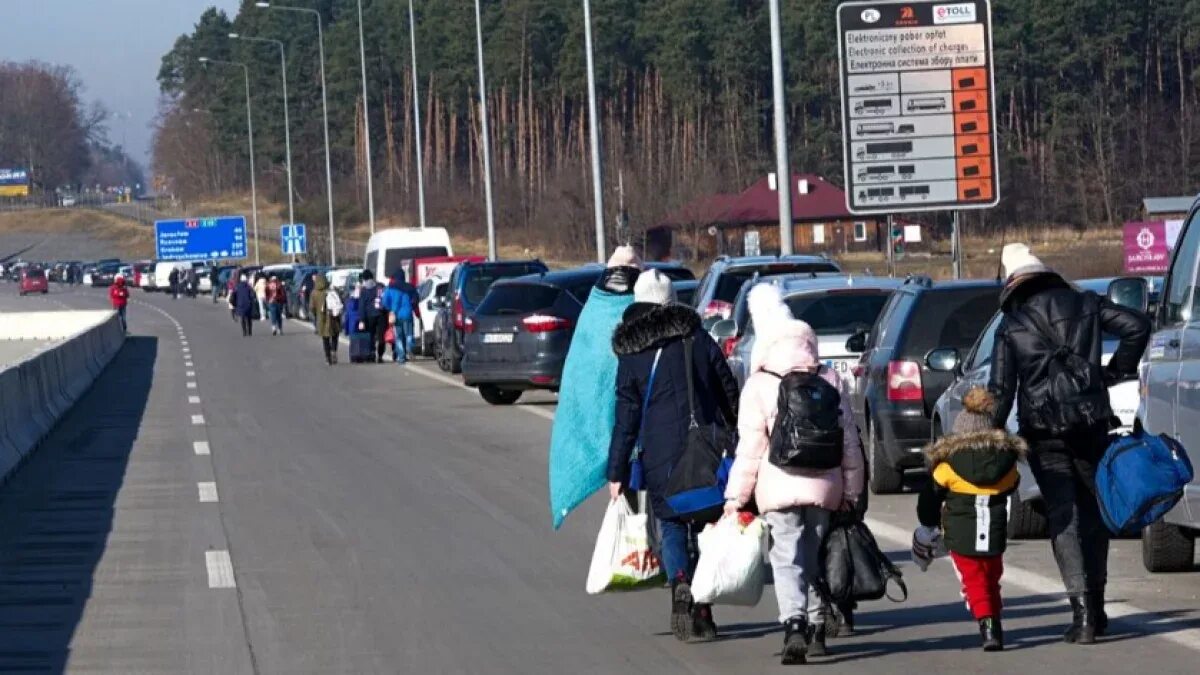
(796, 536)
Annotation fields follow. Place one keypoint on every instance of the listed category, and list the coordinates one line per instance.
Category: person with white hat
(1047, 356)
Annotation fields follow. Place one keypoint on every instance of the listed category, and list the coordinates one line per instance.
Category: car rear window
(950, 318)
(508, 299)
(480, 279)
(732, 280)
(838, 313)
(35, 274)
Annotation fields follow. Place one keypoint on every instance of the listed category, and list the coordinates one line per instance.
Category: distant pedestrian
(1047, 356)
(796, 496)
(398, 303)
(260, 294)
(965, 505)
(305, 292)
(118, 295)
(326, 308)
(276, 301)
(244, 303)
(173, 281)
(652, 344)
(372, 316)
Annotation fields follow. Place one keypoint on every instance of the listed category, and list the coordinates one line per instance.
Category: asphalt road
(380, 519)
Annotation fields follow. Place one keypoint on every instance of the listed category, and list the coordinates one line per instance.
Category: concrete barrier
(36, 391)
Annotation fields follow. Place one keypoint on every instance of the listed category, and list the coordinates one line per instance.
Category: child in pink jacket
(796, 503)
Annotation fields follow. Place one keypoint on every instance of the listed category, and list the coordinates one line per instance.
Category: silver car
(836, 307)
(1026, 515)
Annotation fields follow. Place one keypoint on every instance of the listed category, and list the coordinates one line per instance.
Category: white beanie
(774, 325)
(653, 287)
(1018, 261)
(624, 256)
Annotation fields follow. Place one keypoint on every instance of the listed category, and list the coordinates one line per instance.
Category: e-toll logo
(963, 12)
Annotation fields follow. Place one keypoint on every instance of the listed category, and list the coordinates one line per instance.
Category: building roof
(702, 210)
(1154, 205)
(759, 203)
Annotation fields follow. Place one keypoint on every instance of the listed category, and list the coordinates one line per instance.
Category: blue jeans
(275, 310)
(121, 313)
(678, 548)
(400, 346)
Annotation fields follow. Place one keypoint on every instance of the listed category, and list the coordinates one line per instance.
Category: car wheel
(1027, 519)
(497, 396)
(1167, 548)
(455, 361)
(884, 478)
(442, 358)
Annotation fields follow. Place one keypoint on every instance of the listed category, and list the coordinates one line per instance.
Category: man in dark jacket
(372, 316)
(1063, 457)
(173, 280)
(244, 304)
(652, 404)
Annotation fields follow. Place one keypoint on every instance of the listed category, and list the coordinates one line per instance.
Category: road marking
(190, 373)
(185, 350)
(188, 364)
(194, 399)
(201, 448)
(1164, 627)
(208, 492)
(183, 342)
(191, 385)
(220, 569)
(198, 420)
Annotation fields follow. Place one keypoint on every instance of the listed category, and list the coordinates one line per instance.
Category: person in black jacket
(1063, 456)
(650, 339)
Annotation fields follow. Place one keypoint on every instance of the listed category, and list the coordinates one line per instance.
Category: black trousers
(247, 326)
(376, 328)
(330, 345)
(1065, 469)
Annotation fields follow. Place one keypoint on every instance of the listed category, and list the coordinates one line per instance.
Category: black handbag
(695, 489)
(853, 566)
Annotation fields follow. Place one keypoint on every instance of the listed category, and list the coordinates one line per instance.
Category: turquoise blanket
(586, 406)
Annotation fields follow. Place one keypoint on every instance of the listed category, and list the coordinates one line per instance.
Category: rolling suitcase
(360, 348)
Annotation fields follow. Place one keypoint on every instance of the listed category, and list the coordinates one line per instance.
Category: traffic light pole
(891, 247)
(956, 246)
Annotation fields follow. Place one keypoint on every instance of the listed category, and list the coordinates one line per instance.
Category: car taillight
(544, 323)
(718, 308)
(904, 381)
(459, 314)
(468, 325)
(728, 346)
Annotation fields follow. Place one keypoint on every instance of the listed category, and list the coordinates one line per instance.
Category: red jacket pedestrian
(118, 294)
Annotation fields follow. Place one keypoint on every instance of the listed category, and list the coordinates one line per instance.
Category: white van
(388, 250)
(162, 273)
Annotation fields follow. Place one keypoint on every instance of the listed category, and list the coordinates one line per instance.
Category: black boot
(681, 611)
(1083, 629)
(704, 629)
(1094, 600)
(795, 642)
(816, 639)
(992, 633)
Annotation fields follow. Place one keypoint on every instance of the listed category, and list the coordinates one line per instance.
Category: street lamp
(362, 57)
(412, 40)
(287, 133)
(324, 110)
(250, 136)
(783, 174)
(485, 138)
(597, 176)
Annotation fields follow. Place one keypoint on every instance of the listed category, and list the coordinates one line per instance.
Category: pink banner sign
(1147, 250)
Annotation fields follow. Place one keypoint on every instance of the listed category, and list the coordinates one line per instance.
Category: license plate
(497, 338)
(839, 366)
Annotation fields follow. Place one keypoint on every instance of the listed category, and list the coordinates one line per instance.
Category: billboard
(219, 238)
(14, 183)
(1147, 247)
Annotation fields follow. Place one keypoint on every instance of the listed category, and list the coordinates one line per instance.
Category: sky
(115, 46)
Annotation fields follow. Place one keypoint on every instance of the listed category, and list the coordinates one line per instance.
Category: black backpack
(1066, 392)
(808, 427)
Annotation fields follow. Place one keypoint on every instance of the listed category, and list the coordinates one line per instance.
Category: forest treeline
(1097, 101)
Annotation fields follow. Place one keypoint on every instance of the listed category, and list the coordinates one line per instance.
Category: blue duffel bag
(1139, 479)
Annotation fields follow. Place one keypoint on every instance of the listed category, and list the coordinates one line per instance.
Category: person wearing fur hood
(972, 473)
(652, 405)
(796, 503)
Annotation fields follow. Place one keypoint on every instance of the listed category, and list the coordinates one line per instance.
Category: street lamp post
(362, 57)
(783, 175)
(287, 133)
(324, 110)
(485, 139)
(412, 40)
(597, 176)
(250, 141)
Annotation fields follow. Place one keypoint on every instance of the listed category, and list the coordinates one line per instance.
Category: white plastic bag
(731, 570)
(623, 559)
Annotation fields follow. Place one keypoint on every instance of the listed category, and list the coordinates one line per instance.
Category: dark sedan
(104, 274)
(518, 338)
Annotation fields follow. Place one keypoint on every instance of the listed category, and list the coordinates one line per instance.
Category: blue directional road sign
(216, 238)
(294, 239)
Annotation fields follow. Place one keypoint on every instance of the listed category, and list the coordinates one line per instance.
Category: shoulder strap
(691, 385)
(646, 402)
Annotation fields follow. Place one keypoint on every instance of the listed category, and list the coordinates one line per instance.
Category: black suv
(469, 283)
(896, 390)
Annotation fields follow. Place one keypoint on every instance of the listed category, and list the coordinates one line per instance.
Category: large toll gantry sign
(918, 110)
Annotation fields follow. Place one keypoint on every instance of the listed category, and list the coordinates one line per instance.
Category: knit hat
(978, 406)
(653, 287)
(776, 331)
(624, 256)
(1019, 262)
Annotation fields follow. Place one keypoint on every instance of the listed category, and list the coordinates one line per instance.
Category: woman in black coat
(244, 304)
(654, 328)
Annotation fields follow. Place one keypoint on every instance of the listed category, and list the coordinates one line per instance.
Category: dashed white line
(190, 373)
(183, 342)
(186, 350)
(220, 569)
(188, 364)
(191, 385)
(194, 399)
(198, 420)
(208, 492)
(201, 448)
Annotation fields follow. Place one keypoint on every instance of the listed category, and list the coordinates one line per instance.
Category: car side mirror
(943, 360)
(857, 343)
(723, 329)
(1131, 292)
